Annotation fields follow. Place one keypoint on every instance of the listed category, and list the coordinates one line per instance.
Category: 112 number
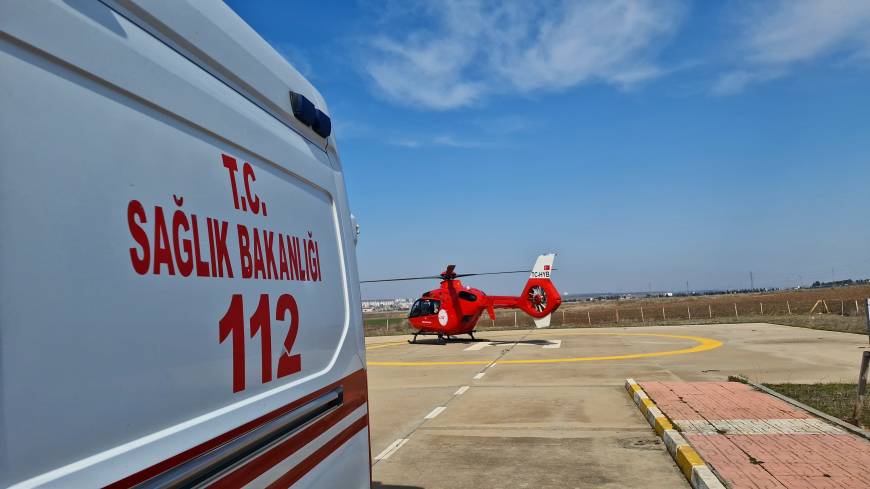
(232, 325)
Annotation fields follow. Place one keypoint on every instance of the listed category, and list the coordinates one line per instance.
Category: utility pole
(751, 281)
(687, 288)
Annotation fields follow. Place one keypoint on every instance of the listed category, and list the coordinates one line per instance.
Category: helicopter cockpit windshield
(425, 307)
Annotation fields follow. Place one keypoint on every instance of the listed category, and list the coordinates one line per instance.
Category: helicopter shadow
(521, 342)
(466, 341)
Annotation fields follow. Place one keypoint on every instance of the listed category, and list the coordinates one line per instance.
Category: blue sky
(646, 142)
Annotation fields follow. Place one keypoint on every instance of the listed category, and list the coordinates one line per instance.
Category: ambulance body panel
(178, 298)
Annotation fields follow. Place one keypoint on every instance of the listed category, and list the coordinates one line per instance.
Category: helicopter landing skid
(442, 338)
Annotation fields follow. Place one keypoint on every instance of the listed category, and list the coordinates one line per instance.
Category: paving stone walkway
(754, 440)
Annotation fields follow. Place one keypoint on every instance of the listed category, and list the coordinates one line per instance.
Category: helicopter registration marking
(703, 344)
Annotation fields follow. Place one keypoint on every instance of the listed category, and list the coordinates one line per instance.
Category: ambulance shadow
(379, 485)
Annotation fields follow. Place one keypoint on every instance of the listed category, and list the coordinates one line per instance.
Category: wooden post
(641, 316)
(617, 316)
(842, 309)
(388, 324)
(761, 305)
(788, 307)
(735, 311)
(857, 309)
(862, 388)
(710, 310)
(589, 318)
(563, 317)
(867, 311)
(515, 319)
(663, 314)
(689, 310)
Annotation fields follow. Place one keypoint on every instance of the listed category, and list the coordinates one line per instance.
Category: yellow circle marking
(703, 344)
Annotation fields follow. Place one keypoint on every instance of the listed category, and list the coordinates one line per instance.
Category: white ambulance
(179, 300)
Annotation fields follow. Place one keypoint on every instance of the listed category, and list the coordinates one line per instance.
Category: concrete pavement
(546, 408)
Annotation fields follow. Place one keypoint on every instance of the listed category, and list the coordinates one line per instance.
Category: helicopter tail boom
(539, 297)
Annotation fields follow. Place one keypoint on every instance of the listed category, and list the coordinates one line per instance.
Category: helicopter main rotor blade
(428, 277)
(441, 277)
(491, 273)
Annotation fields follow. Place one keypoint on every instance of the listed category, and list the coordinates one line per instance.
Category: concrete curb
(688, 460)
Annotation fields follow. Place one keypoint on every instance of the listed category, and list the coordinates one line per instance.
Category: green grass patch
(838, 400)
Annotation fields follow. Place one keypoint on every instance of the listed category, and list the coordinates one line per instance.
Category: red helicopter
(454, 309)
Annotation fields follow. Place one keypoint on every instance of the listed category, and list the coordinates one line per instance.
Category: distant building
(372, 305)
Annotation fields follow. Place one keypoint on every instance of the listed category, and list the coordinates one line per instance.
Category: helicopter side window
(468, 296)
(425, 307)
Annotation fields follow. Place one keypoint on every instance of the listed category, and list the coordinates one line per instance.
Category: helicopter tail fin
(543, 266)
(543, 322)
(540, 297)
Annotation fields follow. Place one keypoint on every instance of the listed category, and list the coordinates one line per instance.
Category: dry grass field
(834, 309)
(835, 399)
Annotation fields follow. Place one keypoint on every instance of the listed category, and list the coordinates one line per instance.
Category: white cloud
(736, 81)
(778, 35)
(465, 51)
(453, 142)
(444, 140)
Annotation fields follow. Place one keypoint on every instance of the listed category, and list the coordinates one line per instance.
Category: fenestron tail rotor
(537, 298)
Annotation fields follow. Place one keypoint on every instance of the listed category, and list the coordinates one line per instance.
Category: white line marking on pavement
(479, 376)
(393, 448)
(480, 345)
(554, 344)
(461, 390)
(435, 412)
